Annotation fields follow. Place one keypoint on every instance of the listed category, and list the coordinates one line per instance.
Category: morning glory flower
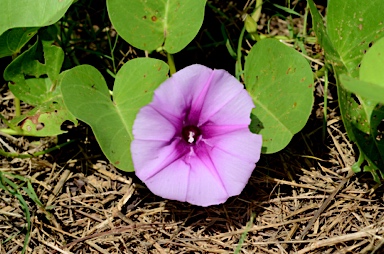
(192, 142)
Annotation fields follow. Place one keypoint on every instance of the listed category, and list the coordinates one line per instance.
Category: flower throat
(191, 134)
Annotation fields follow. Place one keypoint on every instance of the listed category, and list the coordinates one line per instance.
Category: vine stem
(325, 104)
(171, 63)
(239, 67)
(16, 101)
(24, 156)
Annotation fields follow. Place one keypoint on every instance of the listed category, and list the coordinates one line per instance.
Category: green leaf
(25, 70)
(280, 82)
(372, 66)
(375, 92)
(87, 96)
(331, 55)
(13, 40)
(26, 13)
(36, 84)
(149, 25)
(290, 11)
(366, 117)
(353, 27)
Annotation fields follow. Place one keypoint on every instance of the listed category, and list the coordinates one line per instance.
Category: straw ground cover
(302, 200)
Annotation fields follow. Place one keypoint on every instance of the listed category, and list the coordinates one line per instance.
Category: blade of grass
(288, 10)
(23, 156)
(239, 66)
(13, 190)
(325, 104)
(244, 234)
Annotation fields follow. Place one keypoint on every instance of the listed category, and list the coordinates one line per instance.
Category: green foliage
(372, 70)
(7, 185)
(332, 57)
(280, 82)
(87, 96)
(36, 83)
(371, 75)
(13, 40)
(352, 28)
(25, 13)
(149, 25)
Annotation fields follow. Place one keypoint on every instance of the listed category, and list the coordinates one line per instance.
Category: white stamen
(191, 137)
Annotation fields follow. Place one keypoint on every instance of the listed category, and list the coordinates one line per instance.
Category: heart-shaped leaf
(366, 118)
(352, 28)
(149, 25)
(25, 68)
(13, 40)
(87, 96)
(29, 85)
(280, 82)
(364, 89)
(26, 13)
(331, 55)
(372, 66)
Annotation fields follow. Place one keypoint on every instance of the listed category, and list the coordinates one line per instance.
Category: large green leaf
(149, 25)
(364, 89)
(13, 40)
(36, 83)
(367, 116)
(280, 82)
(372, 65)
(26, 13)
(370, 84)
(25, 70)
(352, 28)
(332, 56)
(87, 96)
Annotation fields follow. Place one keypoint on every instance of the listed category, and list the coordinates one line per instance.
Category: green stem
(171, 63)
(24, 156)
(239, 67)
(244, 234)
(305, 22)
(14, 131)
(16, 101)
(356, 166)
(325, 104)
(9, 124)
(112, 48)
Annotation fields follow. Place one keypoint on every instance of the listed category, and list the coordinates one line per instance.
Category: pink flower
(192, 142)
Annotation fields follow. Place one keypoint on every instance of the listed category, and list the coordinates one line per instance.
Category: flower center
(191, 134)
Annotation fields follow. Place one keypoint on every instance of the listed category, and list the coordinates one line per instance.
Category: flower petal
(240, 143)
(205, 187)
(227, 98)
(171, 182)
(183, 90)
(236, 111)
(151, 157)
(151, 125)
(234, 172)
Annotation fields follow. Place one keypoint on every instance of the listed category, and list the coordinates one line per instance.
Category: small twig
(7, 146)
(325, 204)
(115, 231)
(337, 239)
(59, 186)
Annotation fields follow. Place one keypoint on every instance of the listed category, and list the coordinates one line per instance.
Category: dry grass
(301, 204)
